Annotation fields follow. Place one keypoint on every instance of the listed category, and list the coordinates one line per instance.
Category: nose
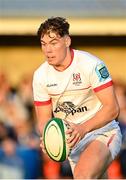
(48, 48)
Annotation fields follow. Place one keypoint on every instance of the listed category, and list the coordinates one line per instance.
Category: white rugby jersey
(72, 91)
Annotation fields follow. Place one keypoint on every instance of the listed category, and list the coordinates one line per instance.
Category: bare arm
(106, 114)
(44, 113)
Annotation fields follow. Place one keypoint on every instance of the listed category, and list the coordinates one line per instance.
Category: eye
(54, 43)
(43, 44)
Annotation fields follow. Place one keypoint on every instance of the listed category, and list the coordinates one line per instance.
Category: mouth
(50, 57)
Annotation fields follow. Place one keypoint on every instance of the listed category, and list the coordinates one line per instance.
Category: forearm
(44, 114)
(41, 124)
(101, 118)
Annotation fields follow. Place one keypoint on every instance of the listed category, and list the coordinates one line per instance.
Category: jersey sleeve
(40, 93)
(100, 77)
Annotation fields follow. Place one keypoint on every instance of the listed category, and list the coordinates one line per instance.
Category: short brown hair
(58, 25)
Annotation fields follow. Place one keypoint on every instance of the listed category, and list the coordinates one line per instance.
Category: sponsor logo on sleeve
(102, 72)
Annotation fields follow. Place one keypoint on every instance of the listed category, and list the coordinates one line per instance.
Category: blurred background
(97, 26)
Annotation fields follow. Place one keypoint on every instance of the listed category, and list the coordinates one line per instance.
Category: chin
(51, 63)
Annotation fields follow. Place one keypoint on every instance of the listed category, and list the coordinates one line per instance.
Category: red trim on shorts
(110, 140)
(110, 83)
(42, 103)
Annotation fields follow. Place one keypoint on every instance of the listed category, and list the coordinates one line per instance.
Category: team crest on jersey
(76, 79)
(102, 72)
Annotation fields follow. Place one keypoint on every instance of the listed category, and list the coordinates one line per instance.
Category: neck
(67, 61)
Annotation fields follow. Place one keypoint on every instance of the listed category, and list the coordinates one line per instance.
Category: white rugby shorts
(112, 138)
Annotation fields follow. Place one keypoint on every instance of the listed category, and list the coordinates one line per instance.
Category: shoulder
(87, 58)
(41, 69)
(87, 62)
(40, 72)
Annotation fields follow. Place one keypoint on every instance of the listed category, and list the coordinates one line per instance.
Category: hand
(42, 145)
(75, 133)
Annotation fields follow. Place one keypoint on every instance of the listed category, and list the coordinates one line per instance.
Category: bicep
(107, 97)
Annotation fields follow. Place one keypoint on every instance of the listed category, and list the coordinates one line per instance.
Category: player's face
(55, 48)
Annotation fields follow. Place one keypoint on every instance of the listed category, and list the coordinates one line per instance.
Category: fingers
(73, 139)
(42, 145)
(73, 133)
(69, 130)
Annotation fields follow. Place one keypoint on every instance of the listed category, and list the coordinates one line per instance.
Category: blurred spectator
(26, 134)
(11, 108)
(11, 164)
(32, 162)
(24, 91)
(19, 141)
(14, 111)
(4, 87)
(6, 131)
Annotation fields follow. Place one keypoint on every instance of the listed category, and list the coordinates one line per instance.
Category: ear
(68, 41)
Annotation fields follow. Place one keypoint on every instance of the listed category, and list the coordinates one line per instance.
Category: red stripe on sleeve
(42, 103)
(110, 83)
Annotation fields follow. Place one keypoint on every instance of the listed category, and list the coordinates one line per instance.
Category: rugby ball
(55, 139)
